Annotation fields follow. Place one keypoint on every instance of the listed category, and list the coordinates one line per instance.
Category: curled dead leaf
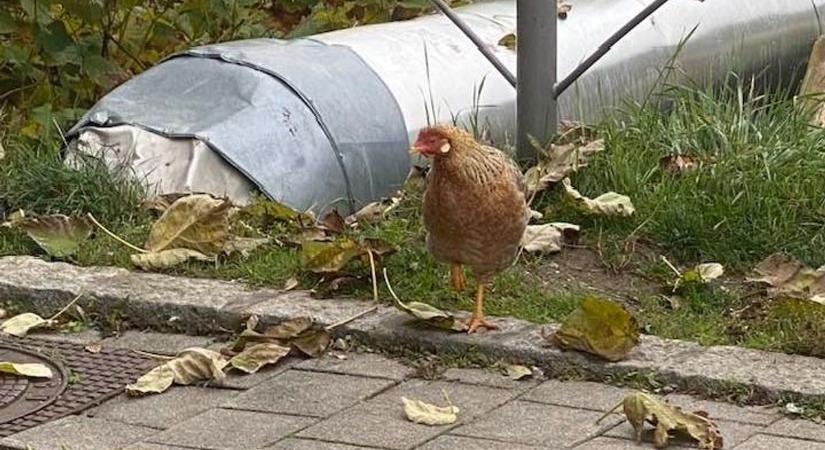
(252, 358)
(32, 370)
(289, 329)
(786, 276)
(509, 40)
(427, 414)
(160, 203)
(290, 284)
(679, 163)
(155, 381)
(375, 211)
(431, 315)
(165, 259)
(550, 237)
(243, 245)
(640, 408)
(21, 324)
(328, 256)
(609, 204)
(516, 372)
(197, 364)
(93, 348)
(58, 235)
(197, 222)
(600, 327)
(332, 222)
(560, 161)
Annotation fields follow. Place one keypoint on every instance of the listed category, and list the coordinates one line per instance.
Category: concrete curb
(204, 306)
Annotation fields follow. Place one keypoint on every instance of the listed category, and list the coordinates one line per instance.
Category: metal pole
(536, 113)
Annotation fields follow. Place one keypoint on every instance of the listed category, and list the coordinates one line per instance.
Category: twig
(674, 269)
(154, 355)
(65, 308)
(114, 236)
(374, 277)
(350, 319)
(612, 410)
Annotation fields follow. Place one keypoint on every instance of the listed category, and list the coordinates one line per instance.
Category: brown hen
(475, 208)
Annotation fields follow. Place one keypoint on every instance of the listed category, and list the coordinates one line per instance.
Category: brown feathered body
(475, 208)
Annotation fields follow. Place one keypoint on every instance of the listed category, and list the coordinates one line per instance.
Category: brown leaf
(93, 348)
(509, 40)
(560, 161)
(289, 329)
(786, 276)
(640, 407)
(197, 222)
(328, 256)
(332, 222)
(252, 358)
(160, 203)
(290, 284)
(375, 211)
(550, 237)
(677, 163)
(313, 342)
(60, 236)
(600, 327)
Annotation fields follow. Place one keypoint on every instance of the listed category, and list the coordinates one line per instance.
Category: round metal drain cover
(20, 396)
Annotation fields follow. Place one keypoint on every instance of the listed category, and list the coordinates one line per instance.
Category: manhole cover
(82, 380)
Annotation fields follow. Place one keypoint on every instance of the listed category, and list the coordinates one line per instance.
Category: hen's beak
(415, 150)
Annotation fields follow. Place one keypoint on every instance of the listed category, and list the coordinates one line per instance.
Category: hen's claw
(476, 322)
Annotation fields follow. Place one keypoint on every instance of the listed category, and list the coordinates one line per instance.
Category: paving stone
(733, 433)
(798, 428)
(163, 411)
(717, 410)
(309, 444)
(223, 429)
(763, 442)
(538, 424)
(448, 442)
(623, 444)
(84, 337)
(164, 344)
(77, 433)
(487, 377)
(148, 446)
(305, 393)
(238, 380)
(577, 394)
(380, 421)
(360, 364)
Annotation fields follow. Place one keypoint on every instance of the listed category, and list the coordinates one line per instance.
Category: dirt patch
(580, 269)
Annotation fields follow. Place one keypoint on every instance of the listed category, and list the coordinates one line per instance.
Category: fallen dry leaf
(161, 203)
(167, 258)
(640, 407)
(93, 348)
(312, 342)
(33, 370)
(196, 222)
(509, 40)
(289, 329)
(609, 204)
(431, 315)
(252, 358)
(560, 161)
(600, 327)
(332, 222)
(516, 372)
(322, 257)
(21, 324)
(709, 271)
(550, 237)
(786, 276)
(197, 364)
(60, 236)
(375, 211)
(677, 163)
(290, 284)
(427, 414)
(155, 381)
(243, 245)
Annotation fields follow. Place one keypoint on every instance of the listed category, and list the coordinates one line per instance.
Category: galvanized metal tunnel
(326, 121)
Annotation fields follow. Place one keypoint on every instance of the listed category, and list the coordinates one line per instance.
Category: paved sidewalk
(350, 401)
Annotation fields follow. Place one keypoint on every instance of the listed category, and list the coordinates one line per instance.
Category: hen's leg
(457, 273)
(477, 320)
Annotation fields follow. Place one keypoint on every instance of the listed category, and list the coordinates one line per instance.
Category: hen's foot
(475, 322)
(457, 278)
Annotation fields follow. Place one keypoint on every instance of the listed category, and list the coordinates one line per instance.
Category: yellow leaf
(60, 236)
(431, 315)
(155, 381)
(609, 204)
(256, 356)
(640, 407)
(166, 258)
(34, 370)
(328, 256)
(509, 40)
(425, 413)
(197, 222)
(20, 324)
(518, 372)
(600, 327)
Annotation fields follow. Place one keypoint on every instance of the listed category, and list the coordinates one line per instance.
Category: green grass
(759, 191)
